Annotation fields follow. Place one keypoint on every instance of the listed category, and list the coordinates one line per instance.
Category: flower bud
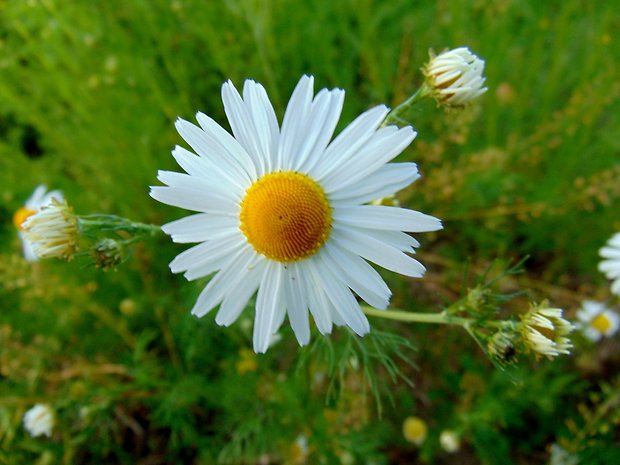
(455, 77)
(107, 253)
(501, 347)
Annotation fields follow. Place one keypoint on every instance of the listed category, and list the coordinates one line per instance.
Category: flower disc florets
(455, 77)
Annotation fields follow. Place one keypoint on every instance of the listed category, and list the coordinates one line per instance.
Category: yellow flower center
(601, 323)
(22, 215)
(285, 216)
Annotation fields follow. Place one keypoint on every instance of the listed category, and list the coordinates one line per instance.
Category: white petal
(318, 304)
(269, 303)
(386, 181)
(234, 303)
(349, 141)
(225, 282)
(384, 145)
(200, 184)
(192, 199)
(389, 218)
(397, 239)
(223, 151)
(610, 252)
(325, 132)
(203, 168)
(296, 304)
(265, 120)
(295, 123)
(199, 227)
(206, 252)
(256, 145)
(342, 299)
(377, 252)
(359, 276)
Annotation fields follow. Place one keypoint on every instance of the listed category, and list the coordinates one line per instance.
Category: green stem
(412, 317)
(116, 223)
(395, 115)
(443, 318)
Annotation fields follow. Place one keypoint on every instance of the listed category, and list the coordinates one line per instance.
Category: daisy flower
(39, 420)
(611, 265)
(52, 232)
(455, 77)
(596, 320)
(283, 211)
(39, 198)
(545, 331)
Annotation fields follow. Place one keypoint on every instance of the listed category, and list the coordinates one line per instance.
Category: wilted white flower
(52, 231)
(284, 211)
(39, 198)
(415, 430)
(545, 331)
(455, 77)
(611, 265)
(596, 320)
(450, 441)
(501, 346)
(39, 420)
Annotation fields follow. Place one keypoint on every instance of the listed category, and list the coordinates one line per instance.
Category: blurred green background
(89, 91)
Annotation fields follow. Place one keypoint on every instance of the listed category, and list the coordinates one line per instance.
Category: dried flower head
(39, 420)
(455, 77)
(545, 332)
(52, 231)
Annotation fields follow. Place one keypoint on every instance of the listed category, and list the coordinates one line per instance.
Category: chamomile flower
(283, 211)
(455, 77)
(611, 265)
(53, 231)
(415, 430)
(39, 198)
(545, 331)
(596, 320)
(39, 420)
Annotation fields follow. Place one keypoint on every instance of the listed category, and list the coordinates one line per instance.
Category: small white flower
(283, 211)
(611, 265)
(450, 441)
(415, 430)
(455, 77)
(596, 320)
(545, 331)
(39, 198)
(39, 420)
(52, 231)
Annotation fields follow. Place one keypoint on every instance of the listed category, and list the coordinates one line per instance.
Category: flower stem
(395, 116)
(442, 318)
(116, 223)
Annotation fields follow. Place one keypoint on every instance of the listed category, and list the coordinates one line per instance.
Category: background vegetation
(88, 95)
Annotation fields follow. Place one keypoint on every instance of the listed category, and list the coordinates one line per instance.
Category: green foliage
(89, 93)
